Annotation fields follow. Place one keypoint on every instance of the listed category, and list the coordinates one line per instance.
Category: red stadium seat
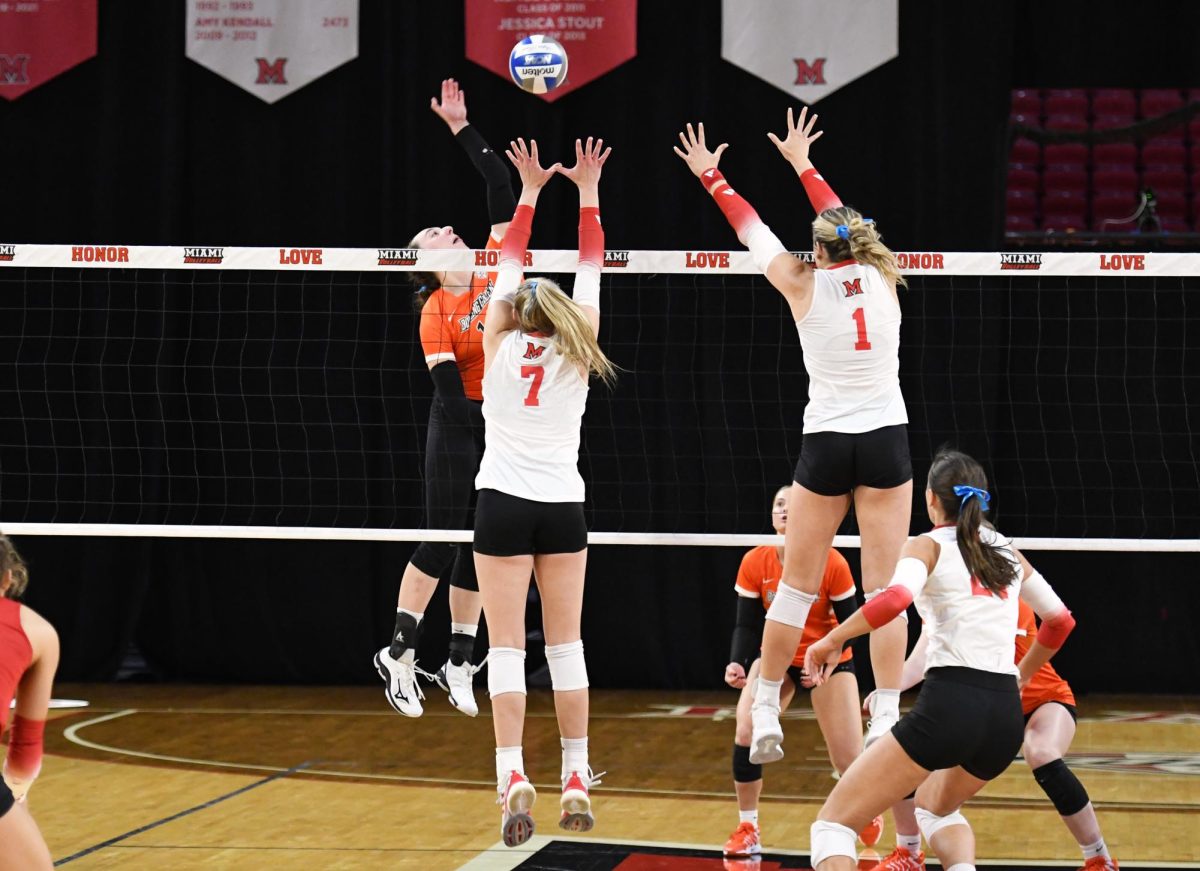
(1027, 120)
(1174, 225)
(1158, 152)
(1020, 224)
(1116, 181)
(1165, 179)
(1160, 101)
(1067, 103)
(1022, 202)
(1026, 101)
(1067, 122)
(1113, 206)
(1056, 180)
(1025, 152)
(1110, 122)
(1114, 101)
(1023, 180)
(1171, 204)
(1066, 154)
(1194, 129)
(1114, 154)
(1064, 221)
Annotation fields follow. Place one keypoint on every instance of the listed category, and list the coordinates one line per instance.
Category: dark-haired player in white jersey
(967, 724)
(855, 448)
(540, 348)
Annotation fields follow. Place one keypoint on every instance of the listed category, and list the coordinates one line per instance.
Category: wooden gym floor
(183, 777)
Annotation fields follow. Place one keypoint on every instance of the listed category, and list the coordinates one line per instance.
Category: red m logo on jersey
(532, 351)
(270, 73)
(14, 70)
(853, 288)
(810, 74)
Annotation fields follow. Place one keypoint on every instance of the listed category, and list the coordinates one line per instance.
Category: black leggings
(452, 452)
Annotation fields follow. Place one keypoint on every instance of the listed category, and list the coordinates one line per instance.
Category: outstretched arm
(500, 200)
(500, 319)
(589, 161)
(23, 761)
(1057, 622)
(794, 147)
(790, 276)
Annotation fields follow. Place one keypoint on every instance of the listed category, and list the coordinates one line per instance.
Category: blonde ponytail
(540, 306)
(863, 244)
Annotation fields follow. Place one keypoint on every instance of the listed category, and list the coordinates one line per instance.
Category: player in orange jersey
(835, 702)
(28, 660)
(453, 306)
(1049, 708)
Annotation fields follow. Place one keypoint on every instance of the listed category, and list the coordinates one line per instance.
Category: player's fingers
(684, 140)
(604, 156)
(720, 149)
(691, 134)
(702, 133)
(675, 148)
(816, 136)
(812, 122)
(599, 147)
(791, 123)
(775, 139)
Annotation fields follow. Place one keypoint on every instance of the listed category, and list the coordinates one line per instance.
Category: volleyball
(538, 64)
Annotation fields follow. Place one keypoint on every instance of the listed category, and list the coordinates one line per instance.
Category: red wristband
(1054, 631)
(888, 605)
(591, 236)
(25, 747)
(820, 194)
(516, 237)
(739, 213)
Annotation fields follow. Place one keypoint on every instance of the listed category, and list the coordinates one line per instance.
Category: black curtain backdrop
(142, 146)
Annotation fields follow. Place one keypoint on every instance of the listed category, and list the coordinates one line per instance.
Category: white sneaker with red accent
(576, 803)
(516, 796)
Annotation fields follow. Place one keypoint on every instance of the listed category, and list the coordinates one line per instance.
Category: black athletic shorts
(1070, 710)
(6, 798)
(966, 717)
(795, 673)
(507, 525)
(834, 463)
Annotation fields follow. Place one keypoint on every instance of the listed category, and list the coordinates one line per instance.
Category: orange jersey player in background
(835, 702)
(1049, 708)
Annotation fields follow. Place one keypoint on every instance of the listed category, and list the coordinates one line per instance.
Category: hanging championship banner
(40, 39)
(809, 48)
(271, 47)
(598, 35)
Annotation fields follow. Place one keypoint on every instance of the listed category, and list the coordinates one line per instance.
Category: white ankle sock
(574, 756)
(509, 759)
(1099, 848)
(885, 703)
(912, 843)
(471, 629)
(749, 817)
(766, 692)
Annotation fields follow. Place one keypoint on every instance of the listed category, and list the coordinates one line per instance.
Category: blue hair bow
(843, 232)
(966, 492)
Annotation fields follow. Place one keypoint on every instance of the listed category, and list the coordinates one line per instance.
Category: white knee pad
(867, 597)
(831, 839)
(506, 671)
(791, 606)
(930, 823)
(568, 670)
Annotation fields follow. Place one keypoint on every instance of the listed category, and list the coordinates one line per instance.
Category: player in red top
(1049, 708)
(452, 308)
(28, 659)
(834, 702)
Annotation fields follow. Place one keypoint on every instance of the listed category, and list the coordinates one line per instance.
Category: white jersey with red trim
(968, 626)
(851, 342)
(533, 404)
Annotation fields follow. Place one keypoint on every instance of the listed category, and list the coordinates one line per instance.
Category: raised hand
(589, 160)
(453, 107)
(533, 174)
(695, 151)
(799, 137)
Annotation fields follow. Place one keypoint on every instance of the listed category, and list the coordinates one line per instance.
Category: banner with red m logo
(810, 48)
(39, 40)
(271, 47)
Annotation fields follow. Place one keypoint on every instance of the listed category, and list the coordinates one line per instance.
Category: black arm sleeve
(500, 199)
(747, 631)
(843, 609)
(447, 382)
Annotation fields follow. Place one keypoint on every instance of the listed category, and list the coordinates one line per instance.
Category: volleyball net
(282, 393)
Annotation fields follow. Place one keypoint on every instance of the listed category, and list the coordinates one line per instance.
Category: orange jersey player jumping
(1049, 708)
(835, 702)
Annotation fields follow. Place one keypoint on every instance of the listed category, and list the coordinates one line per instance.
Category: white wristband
(587, 285)
(764, 246)
(508, 279)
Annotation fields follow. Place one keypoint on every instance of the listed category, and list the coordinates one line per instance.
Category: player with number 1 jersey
(855, 448)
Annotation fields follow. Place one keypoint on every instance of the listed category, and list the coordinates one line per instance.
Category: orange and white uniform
(759, 577)
(1046, 685)
(452, 327)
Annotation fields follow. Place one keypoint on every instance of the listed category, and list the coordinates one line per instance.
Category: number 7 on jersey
(537, 373)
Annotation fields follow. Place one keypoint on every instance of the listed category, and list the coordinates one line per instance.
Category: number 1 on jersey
(860, 318)
(537, 373)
